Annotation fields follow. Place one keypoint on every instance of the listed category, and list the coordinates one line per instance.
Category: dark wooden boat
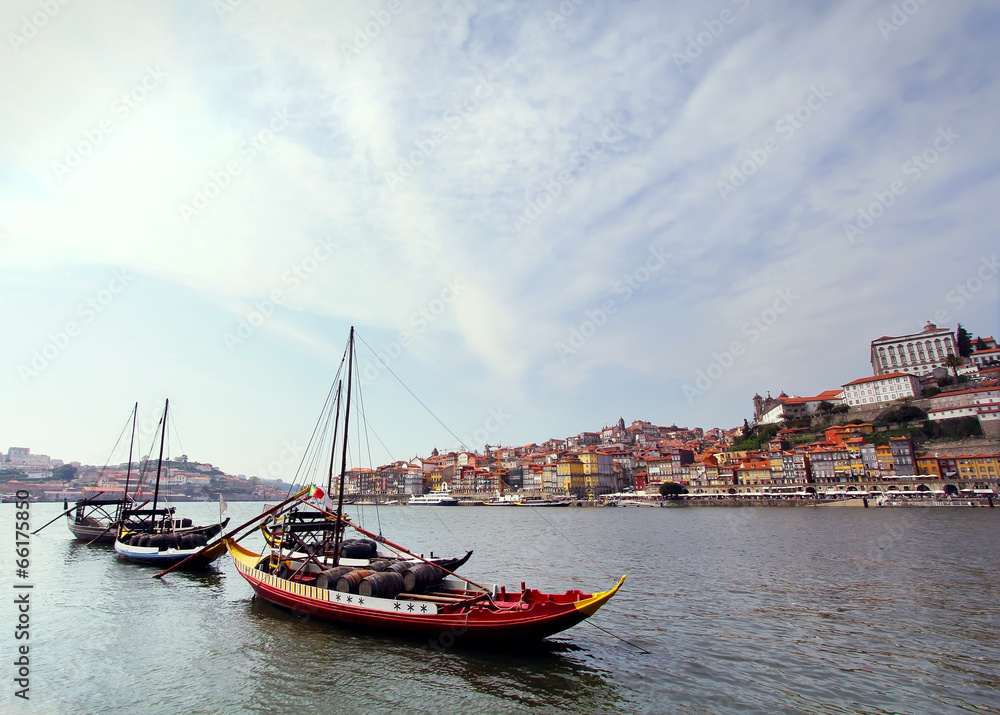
(96, 520)
(310, 569)
(154, 537)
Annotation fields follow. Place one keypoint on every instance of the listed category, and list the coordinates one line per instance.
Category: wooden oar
(257, 518)
(101, 534)
(61, 515)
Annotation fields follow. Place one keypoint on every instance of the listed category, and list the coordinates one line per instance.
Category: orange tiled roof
(875, 378)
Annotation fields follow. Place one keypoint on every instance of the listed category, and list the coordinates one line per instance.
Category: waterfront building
(881, 390)
(937, 467)
(531, 478)
(978, 467)
(916, 354)
(795, 468)
(570, 472)
(552, 483)
(883, 453)
(414, 482)
(821, 463)
(903, 459)
(755, 472)
(869, 461)
(598, 471)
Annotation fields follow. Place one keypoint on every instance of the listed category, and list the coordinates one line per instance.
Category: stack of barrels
(169, 541)
(381, 578)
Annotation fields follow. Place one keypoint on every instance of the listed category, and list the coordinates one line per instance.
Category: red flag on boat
(317, 493)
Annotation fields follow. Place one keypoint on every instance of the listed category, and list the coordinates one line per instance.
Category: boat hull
(153, 556)
(474, 621)
(101, 533)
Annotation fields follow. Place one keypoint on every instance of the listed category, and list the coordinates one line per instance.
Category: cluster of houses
(909, 367)
(925, 367)
(587, 466)
(181, 480)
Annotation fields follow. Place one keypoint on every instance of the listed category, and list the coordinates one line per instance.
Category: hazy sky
(544, 216)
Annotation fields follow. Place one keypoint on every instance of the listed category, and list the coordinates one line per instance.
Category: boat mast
(159, 462)
(339, 529)
(128, 474)
(333, 450)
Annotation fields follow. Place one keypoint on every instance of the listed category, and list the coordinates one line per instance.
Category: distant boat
(96, 520)
(438, 497)
(508, 499)
(538, 501)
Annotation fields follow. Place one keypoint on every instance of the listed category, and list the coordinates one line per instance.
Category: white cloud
(509, 101)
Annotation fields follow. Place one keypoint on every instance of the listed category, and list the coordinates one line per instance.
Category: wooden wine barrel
(328, 579)
(384, 584)
(358, 548)
(400, 567)
(421, 576)
(378, 565)
(348, 583)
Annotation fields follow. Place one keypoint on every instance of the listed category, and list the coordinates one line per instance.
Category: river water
(724, 610)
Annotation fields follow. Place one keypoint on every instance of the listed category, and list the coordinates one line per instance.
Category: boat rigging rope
(324, 415)
(114, 449)
(389, 369)
(614, 635)
(589, 556)
(368, 444)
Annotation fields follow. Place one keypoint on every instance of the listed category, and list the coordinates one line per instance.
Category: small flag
(317, 493)
(223, 507)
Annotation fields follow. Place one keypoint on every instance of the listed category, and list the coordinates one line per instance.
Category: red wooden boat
(383, 586)
(468, 612)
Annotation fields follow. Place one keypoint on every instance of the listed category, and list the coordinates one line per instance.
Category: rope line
(614, 635)
(428, 409)
(573, 544)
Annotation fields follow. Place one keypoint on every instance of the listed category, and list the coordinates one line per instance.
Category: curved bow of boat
(244, 556)
(590, 605)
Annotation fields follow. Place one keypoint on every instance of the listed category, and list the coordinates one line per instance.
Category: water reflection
(551, 674)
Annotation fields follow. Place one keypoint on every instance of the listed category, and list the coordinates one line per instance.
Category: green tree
(65, 472)
(954, 362)
(671, 489)
(964, 341)
(902, 413)
(824, 407)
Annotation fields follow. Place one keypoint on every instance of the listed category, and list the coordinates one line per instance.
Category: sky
(541, 217)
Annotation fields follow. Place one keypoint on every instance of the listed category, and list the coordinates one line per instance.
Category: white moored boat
(438, 497)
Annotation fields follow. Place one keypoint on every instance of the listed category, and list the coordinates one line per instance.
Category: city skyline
(540, 218)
